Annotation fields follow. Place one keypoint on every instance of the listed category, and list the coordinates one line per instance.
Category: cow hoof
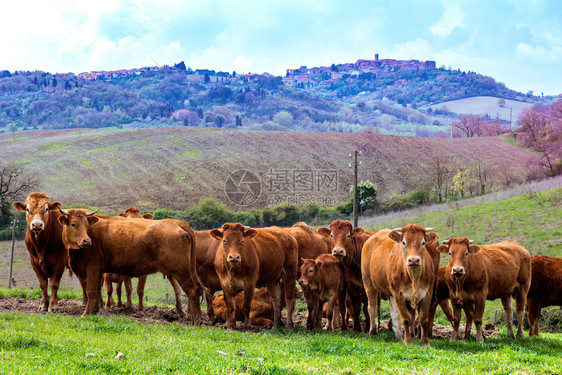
(426, 344)
(43, 308)
(289, 325)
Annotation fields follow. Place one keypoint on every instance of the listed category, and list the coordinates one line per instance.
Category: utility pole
(355, 191)
(12, 255)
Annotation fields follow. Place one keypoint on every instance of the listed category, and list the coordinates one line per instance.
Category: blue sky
(516, 42)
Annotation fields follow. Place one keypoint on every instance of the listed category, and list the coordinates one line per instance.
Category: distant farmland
(481, 105)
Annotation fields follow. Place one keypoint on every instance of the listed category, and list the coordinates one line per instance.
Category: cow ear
(92, 220)
(148, 216)
(443, 249)
(324, 231)
(20, 206)
(474, 249)
(63, 219)
(250, 233)
(122, 214)
(319, 264)
(54, 205)
(216, 233)
(357, 231)
(432, 237)
(395, 236)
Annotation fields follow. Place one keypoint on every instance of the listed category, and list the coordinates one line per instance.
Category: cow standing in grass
(545, 289)
(479, 273)
(43, 240)
(248, 258)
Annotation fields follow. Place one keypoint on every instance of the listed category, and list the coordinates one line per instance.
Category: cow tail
(185, 226)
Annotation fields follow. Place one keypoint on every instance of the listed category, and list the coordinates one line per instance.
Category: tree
(206, 78)
(439, 173)
(366, 195)
(14, 183)
(283, 118)
(468, 125)
(501, 102)
(54, 82)
(462, 181)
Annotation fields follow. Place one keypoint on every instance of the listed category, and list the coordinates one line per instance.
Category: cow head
(75, 224)
(412, 240)
(134, 212)
(342, 234)
(232, 237)
(459, 251)
(37, 207)
(310, 273)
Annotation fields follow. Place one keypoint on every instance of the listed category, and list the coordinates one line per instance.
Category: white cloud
(242, 64)
(539, 53)
(452, 17)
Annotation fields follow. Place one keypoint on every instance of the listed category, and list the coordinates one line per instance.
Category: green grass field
(38, 344)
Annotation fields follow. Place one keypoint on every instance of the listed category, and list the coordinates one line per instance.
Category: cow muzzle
(414, 261)
(303, 282)
(338, 252)
(233, 259)
(457, 271)
(85, 242)
(36, 226)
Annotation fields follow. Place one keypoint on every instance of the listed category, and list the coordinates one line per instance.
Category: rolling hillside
(482, 105)
(176, 167)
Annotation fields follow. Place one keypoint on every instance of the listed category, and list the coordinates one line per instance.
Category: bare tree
(14, 184)
(439, 173)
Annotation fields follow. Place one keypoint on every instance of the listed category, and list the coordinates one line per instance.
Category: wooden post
(12, 254)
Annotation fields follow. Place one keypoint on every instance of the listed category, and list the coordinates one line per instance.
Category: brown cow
(132, 247)
(396, 265)
(545, 290)
(479, 273)
(323, 277)
(43, 240)
(261, 312)
(441, 298)
(247, 258)
(205, 252)
(133, 212)
(348, 242)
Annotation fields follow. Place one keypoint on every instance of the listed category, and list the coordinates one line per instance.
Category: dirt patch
(164, 315)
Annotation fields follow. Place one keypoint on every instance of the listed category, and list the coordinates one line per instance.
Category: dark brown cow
(132, 247)
(348, 242)
(43, 240)
(477, 273)
(396, 265)
(205, 252)
(545, 290)
(261, 312)
(119, 280)
(247, 258)
(441, 298)
(323, 277)
(133, 212)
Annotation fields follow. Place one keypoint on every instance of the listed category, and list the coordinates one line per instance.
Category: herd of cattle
(344, 268)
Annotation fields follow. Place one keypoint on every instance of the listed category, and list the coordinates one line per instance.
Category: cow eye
(466, 254)
(46, 208)
(73, 225)
(224, 241)
(27, 210)
(331, 235)
(423, 243)
(404, 243)
(449, 253)
(348, 235)
(242, 241)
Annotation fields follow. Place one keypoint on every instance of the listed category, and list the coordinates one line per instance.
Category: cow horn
(428, 229)
(470, 241)
(246, 227)
(63, 211)
(445, 242)
(91, 213)
(397, 230)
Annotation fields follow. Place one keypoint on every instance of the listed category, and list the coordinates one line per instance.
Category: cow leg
(83, 285)
(274, 290)
(128, 292)
(193, 293)
(118, 290)
(365, 303)
(447, 310)
(534, 316)
(314, 307)
(423, 320)
(508, 309)
(230, 309)
(55, 283)
(140, 291)
(479, 306)
(289, 286)
(209, 295)
(108, 290)
(431, 317)
(520, 301)
(177, 294)
(343, 309)
(44, 285)
(372, 306)
(395, 316)
(414, 327)
(247, 305)
(406, 319)
(94, 291)
(469, 313)
(456, 320)
(330, 311)
(356, 303)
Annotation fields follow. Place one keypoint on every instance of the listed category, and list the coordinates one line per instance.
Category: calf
(132, 247)
(323, 277)
(475, 274)
(396, 265)
(347, 245)
(545, 289)
(247, 258)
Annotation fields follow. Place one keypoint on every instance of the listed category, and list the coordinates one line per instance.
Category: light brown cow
(323, 277)
(348, 242)
(132, 247)
(545, 290)
(247, 258)
(261, 312)
(396, 265)
(479, 273)
(43, 240)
